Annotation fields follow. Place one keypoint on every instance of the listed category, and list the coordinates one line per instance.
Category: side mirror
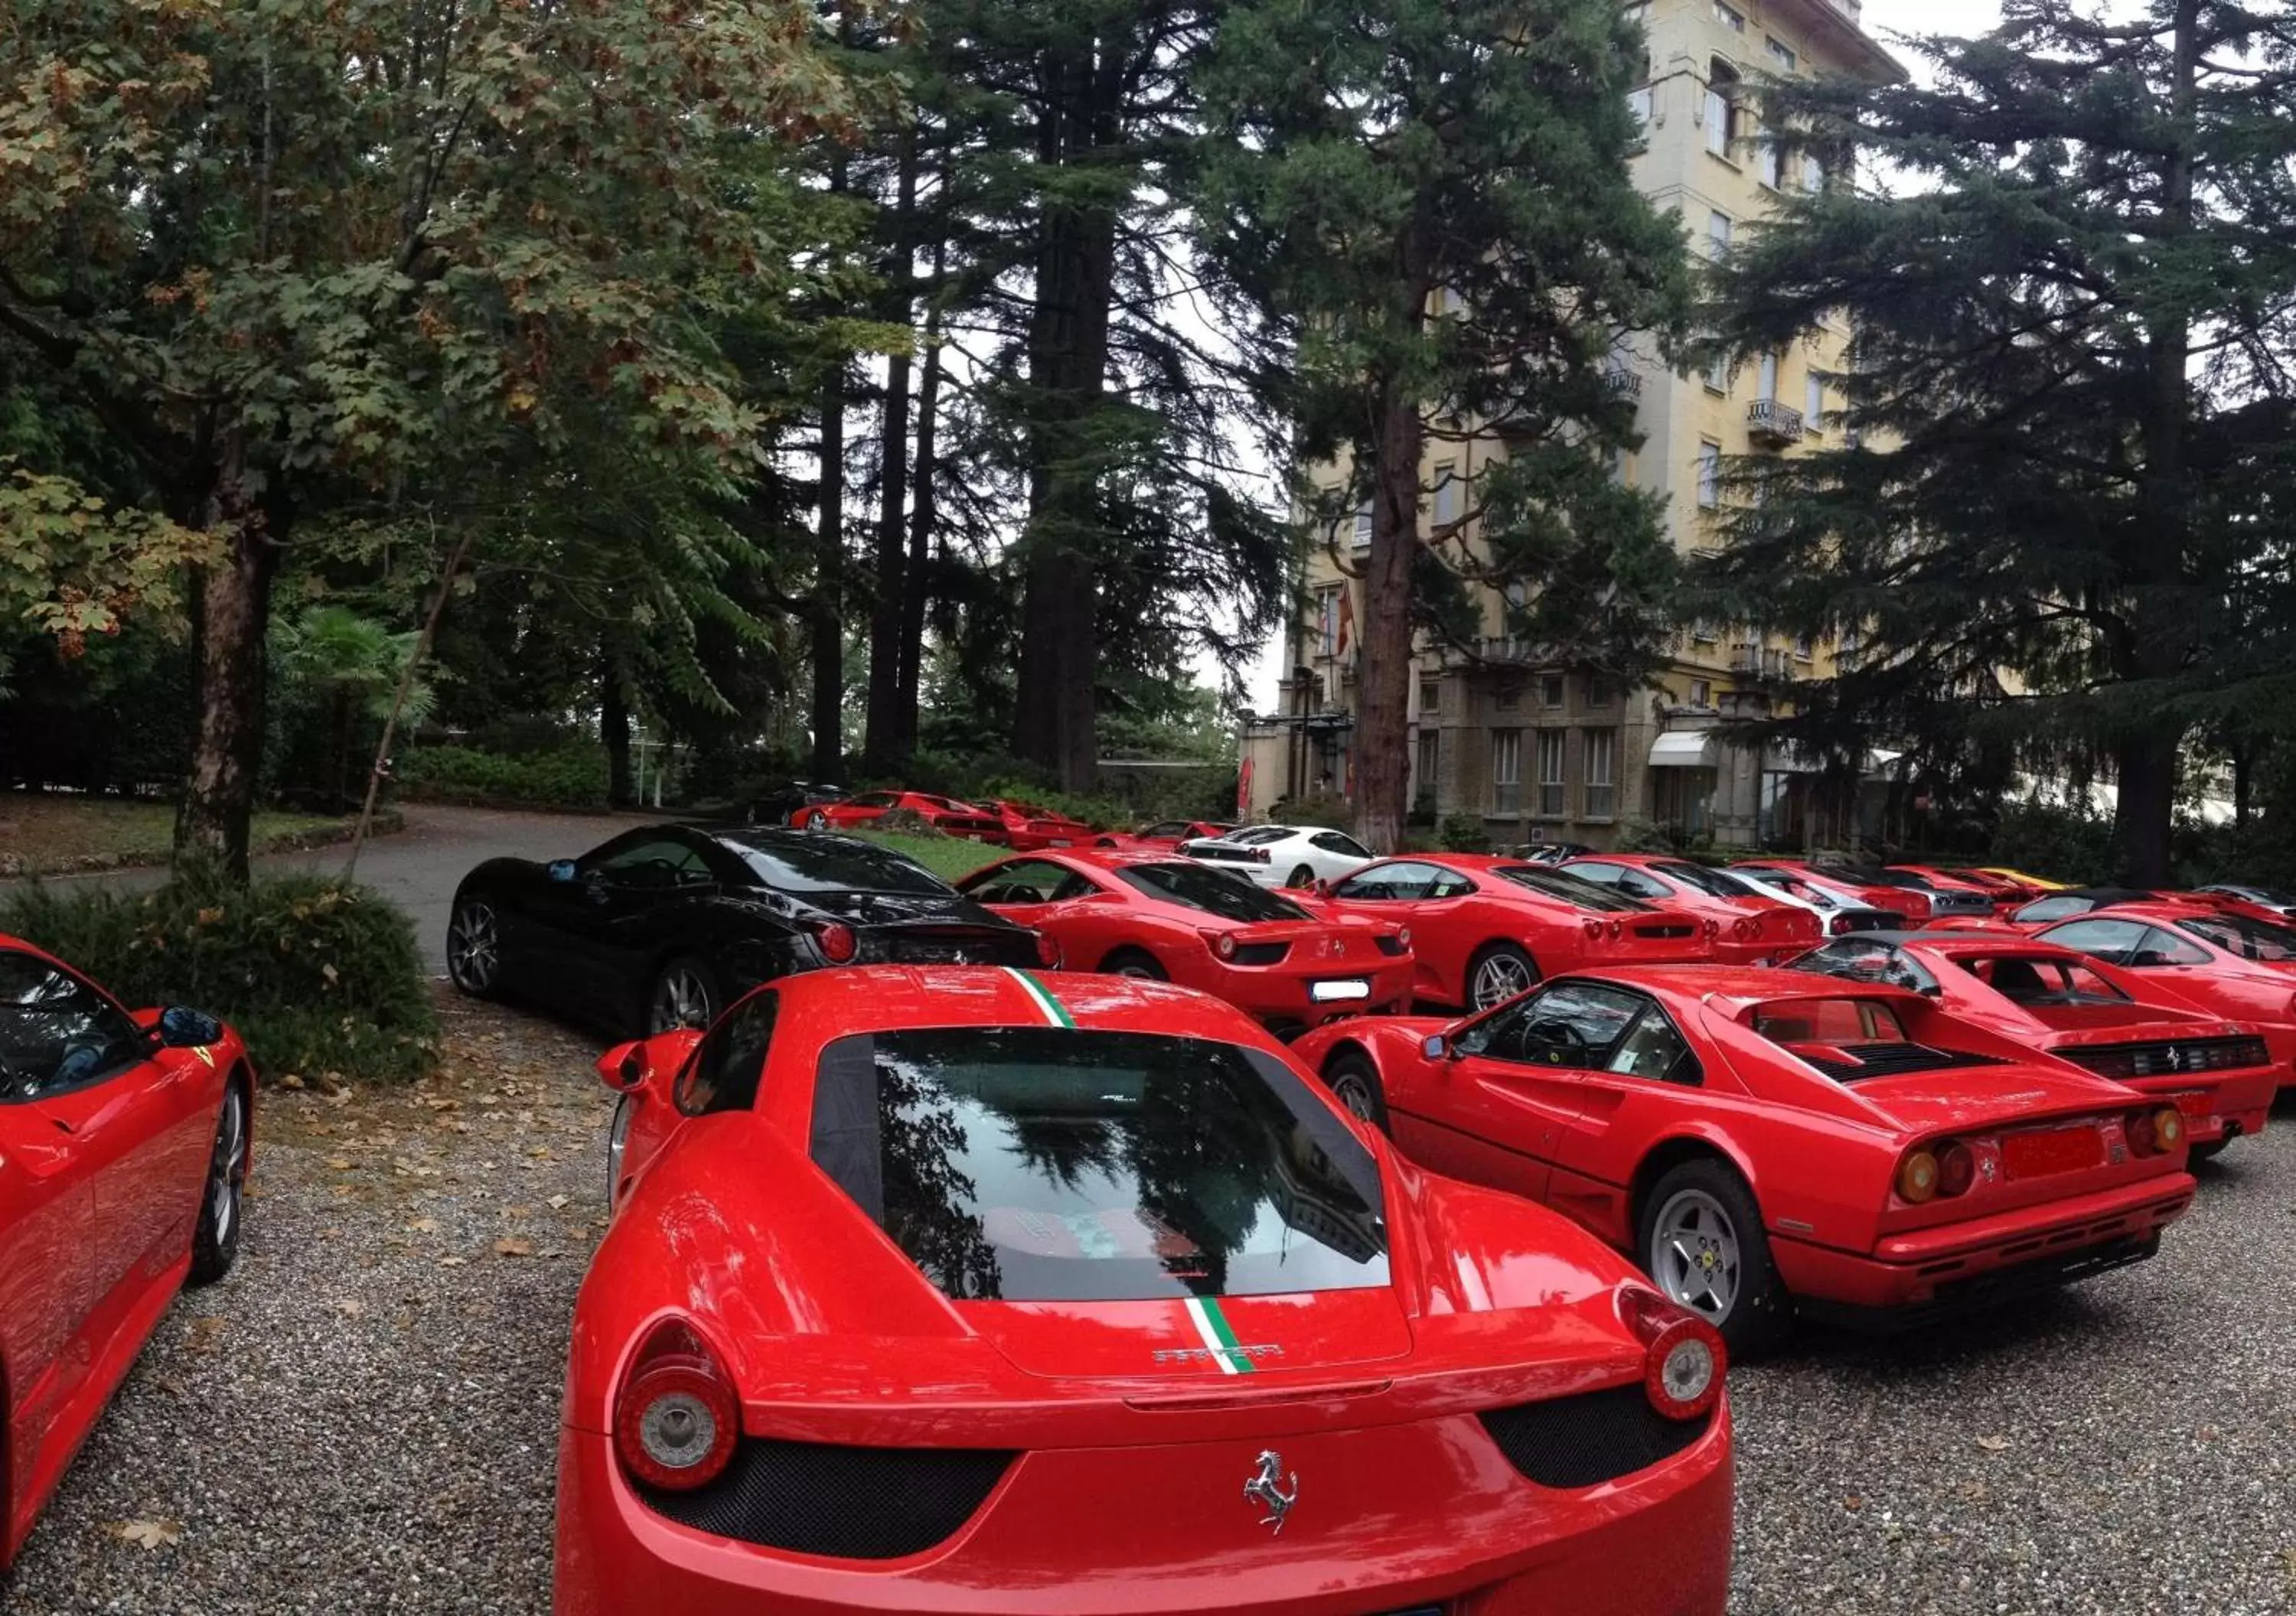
(1322, 888)
(624, 1066)
(181, 1027)
(561, 870)
(1436, 1047)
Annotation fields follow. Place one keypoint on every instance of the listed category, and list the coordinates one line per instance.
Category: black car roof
(2102, 895)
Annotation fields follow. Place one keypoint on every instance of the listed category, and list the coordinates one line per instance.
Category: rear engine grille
(846, 1502)
(1260, 953)
(1390, 945)
(2170, 1058)
(1865, 920)
(1666, 929)
(1228, 856)
(1887, 1060)
(1589, 1439)
(1960, 903)
(984, 949)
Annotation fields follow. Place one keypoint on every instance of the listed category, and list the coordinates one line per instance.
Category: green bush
(1635, 834)
(1465, 833)
(317, 976)
(2061, 844)
(1332, 812)
(572, 775)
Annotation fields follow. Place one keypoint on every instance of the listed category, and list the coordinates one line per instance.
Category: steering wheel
(1557, 1034)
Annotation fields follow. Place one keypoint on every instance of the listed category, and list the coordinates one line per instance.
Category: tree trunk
(1054, 721)
(2146, 804)
(923, 506)
(231, 603)
(829, 590)
(614, 731)
(883, 749)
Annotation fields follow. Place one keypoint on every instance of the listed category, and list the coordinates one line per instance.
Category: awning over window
(1788, 759)
(1683, 749)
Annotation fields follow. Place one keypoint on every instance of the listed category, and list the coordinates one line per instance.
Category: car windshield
(1852, 1039)
(1567, 889)
(2239, 935)
(1713, 883)
(55, 1030)
(831, 863)
(1210, 891)
(1056, 1164)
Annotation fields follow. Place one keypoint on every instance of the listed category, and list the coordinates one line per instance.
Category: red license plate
(2038, 1155)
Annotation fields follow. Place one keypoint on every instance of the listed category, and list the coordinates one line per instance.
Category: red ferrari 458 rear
(946, 1290)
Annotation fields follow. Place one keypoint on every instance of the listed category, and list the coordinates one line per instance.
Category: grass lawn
(951, 858)
(43, 834)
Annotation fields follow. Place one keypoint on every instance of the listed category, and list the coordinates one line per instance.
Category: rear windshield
(1853, 1039)
(2053, 909)
(1571, 889)
(1210, 891)
(1053, 1164)
(1256, 834)
(827, 863)
(2031, 980)
(2239, 935)
(1713, 883)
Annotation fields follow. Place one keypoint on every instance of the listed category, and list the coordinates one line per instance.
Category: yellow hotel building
(1538, 754)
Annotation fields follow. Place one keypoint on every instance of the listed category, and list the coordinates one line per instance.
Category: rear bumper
(1050, 1543)
(2238, 1104)
(1956, 1267)
(1286, 993)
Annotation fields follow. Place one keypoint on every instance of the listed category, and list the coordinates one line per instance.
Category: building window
(1729, 18)
(1768, 379)
(1550, 690)
(1447, 493)
(1721, 106)
(1718, 234)
(1429, 758)
(1813, 405)
(1506, 771)
(1550, 772)
(1801, 648)
(1781, 55)
(1506, 699)
(1718, 374)
(1431, 697)
(1601, 774)
(1327, 621)
(1813, 173)
(1709, 474)
(1598, 693)
(1638, 103)
(1701, 691)
(1767, 158)
(1363, 526)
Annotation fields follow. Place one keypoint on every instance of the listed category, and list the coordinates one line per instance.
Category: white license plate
(1329, 992)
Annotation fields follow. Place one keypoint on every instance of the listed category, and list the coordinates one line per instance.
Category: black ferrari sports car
(667, 924)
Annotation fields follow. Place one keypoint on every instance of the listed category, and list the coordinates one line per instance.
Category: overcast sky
(1883, 19)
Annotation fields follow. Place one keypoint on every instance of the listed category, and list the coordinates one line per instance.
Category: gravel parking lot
(363, 1417)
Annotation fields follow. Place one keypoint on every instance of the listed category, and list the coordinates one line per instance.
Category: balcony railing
(1768, 421)
(1622, 380)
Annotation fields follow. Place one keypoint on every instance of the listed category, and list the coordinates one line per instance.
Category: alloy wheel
(1498, 979)
(227, 1167)
(1349, 1089)
(681, 999)
(1695, 1254)
(473, 947)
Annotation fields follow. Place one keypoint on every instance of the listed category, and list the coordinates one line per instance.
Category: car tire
(474, 958)
(686, 992)
(1300, 876)
(1138, 963)
(1354, 1081)
(215, 1241)
(1699, 1236)
(1498, 971)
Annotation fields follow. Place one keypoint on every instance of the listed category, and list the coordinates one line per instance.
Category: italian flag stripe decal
(1212, 1326)
(1054, 1015)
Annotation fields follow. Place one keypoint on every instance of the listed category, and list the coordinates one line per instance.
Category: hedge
(317, 976)
(568, 776)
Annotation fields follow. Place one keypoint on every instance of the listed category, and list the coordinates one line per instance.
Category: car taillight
(1594, 928)
(1223, 944)
(2152, 1133)
(1049, 951)
(1713, 929)
(1743, 927)
(1683, 1360)
(1917, 1178)
(677, 1419)
(1403, 936)
(837, 942)
(1956, 1168)
(1618, 929)
(1840, 925)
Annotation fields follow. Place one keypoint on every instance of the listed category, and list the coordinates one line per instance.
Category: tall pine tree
(2067, 390)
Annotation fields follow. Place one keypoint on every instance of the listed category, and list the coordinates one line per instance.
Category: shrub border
(16, 867)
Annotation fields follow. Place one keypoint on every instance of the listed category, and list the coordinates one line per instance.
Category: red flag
(1347, 617)
(1243, 791)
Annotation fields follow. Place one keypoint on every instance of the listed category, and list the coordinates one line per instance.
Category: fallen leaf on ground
(511, 1246)
(339, 1164)
(424, 1226)
(450, 1263)
(151, 1534)
(352, 1307)
(204, 1332)
(557, 1202)
(1993, 1444)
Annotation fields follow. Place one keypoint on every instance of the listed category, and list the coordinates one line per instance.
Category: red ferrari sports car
(2176, 955)
(1909, 902)
(1765, 1142)
(2218, 1074)
(1164, 836)
(945, 814)
(1486, 926)
(1165, 919)
(1031, 830)
(124, 1146)
(1749, 928)
(949, 1289)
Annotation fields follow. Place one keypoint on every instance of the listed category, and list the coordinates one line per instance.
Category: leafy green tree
(2060, 498)
(291, 256)
(1434, 198)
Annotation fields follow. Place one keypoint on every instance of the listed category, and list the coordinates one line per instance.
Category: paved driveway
(417, 868)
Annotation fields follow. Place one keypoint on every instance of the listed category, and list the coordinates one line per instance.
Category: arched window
(1722, 109)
